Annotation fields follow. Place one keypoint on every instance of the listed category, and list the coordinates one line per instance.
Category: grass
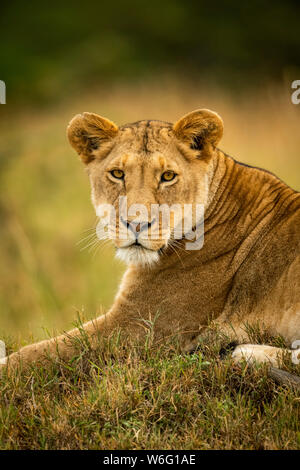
(136, 396)
(158, 400)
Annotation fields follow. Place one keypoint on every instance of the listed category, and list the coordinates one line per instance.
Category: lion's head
(153, 164)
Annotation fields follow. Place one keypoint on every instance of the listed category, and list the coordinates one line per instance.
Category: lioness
(246, 273)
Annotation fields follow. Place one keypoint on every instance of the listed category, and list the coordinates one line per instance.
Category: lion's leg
(261, 353)
(255, 353)
(64, 346)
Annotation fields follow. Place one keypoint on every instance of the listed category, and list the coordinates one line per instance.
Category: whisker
(86, 238)
(91, 243)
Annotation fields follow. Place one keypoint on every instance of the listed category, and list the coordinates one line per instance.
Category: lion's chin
(137, 255)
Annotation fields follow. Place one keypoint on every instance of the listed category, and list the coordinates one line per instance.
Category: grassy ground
(166, 400)
(129, 396)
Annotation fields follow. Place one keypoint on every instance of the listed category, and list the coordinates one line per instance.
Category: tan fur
(248, 271)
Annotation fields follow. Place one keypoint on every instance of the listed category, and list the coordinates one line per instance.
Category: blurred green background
(49, 49)
(126, 61)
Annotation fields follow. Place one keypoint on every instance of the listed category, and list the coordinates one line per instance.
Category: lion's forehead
(146, 146)
(133, 162)
(146, 137)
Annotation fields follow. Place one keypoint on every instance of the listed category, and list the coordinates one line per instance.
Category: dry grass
(164, 400)
(128, 396)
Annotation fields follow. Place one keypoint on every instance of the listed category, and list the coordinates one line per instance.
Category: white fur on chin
(137, 255)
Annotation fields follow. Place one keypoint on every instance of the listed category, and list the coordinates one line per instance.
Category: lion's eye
(119, 174)
(168, 176)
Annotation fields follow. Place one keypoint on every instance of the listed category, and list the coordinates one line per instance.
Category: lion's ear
(90, 134)
(198, 128)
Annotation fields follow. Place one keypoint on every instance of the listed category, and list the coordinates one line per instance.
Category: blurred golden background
(158, 61)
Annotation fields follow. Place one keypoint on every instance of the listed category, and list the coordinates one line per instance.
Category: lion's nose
(137, 227)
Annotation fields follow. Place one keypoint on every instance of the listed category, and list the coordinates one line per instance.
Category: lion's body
(248, 271)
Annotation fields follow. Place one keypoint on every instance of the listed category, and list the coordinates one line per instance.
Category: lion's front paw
(2, 349)
(3, 358)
